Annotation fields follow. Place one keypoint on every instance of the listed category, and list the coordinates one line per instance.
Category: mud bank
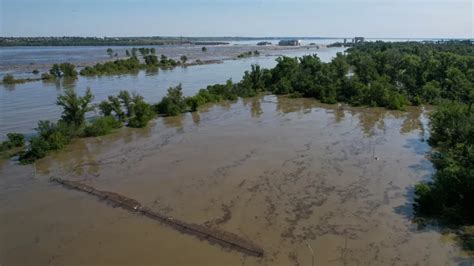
(284, 173)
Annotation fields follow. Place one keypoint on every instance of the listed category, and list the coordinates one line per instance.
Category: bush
(101, 126)
(16, 139)
(151, 60)
(138, 112)
(173, 103)
(9, 79)
(142, 113)
(35, 71)
(47, 76)
(50, 137)
(120, 66)
(38, 149)
(63, 70)
(193, 103)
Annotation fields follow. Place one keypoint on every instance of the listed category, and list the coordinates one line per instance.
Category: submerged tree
(75, 107)
(110, 52)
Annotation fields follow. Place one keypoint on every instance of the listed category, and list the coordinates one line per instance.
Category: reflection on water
(255, 108)
(303, 173)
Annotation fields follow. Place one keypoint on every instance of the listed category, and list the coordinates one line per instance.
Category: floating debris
(224, 239)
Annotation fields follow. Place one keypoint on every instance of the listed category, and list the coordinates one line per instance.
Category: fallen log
(213, 236)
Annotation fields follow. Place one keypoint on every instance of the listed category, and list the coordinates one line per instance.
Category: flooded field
(311, 184)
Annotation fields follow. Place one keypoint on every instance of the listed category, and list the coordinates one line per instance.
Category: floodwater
(311, 184)
(23, 105)
(21, 60)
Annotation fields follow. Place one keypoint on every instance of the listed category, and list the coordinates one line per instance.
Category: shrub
(142, 112)
(35, 71)
(47, 76)
(120, 66)
(151, 60)
(9, 79)
(68, 70)
(173, 103)
(50, 137)
(16, 139)
(193, 103)
(37, 150)
(63, 70)
(101, 126)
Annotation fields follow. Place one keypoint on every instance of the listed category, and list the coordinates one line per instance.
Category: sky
(253, 18)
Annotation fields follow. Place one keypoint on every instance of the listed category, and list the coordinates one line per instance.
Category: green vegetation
(183, 59)
(67, 70)
(173, 103)
(14, 140)
(101, 126)
(451, 193)
(35, 71)
(9, 79)
(137, 112)
(50, 137)
(124, 108)
(110, 52)
(249, 54)
(75, 107)
(47, 77)
(121, 66)
(131, 64)
(204, 49)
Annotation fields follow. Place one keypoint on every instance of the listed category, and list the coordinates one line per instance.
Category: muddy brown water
(291, 175)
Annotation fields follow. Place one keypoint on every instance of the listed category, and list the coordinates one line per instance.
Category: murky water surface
(305, 181)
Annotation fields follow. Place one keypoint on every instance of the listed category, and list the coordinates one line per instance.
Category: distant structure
(289, 43)
(264, 43)
(358, 40)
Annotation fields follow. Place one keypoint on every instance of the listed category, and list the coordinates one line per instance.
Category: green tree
(151, 60)
(75, 107)
(110, 52)
(173, 103)
(451, 193)
(9, 79)
(142, 112)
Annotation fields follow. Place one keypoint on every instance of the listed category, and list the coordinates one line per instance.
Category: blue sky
(329, 18)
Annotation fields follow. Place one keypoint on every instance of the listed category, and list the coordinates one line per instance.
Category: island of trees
(390, 75)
